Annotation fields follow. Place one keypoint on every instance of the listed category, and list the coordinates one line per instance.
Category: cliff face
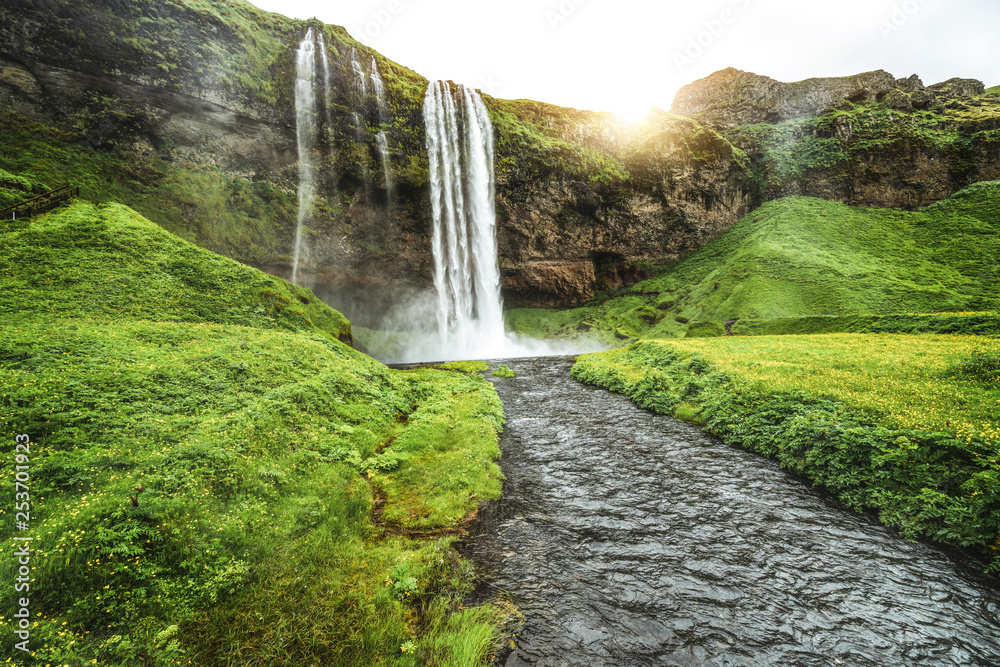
(732, 97)
(185, 111)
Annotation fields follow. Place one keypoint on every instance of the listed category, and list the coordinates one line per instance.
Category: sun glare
(631, 114)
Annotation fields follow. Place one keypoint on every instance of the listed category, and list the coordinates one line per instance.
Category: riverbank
(215, 476)
(904, 425)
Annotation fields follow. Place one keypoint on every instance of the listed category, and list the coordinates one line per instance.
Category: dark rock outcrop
(733, 97)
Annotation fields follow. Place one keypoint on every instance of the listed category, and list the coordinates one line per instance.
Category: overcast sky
(626, 56)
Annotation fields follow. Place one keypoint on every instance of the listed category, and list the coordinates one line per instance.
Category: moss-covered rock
(705, 330)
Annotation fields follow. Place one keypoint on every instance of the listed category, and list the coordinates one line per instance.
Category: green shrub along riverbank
(298, 500)
(974, 324)
(907, 426)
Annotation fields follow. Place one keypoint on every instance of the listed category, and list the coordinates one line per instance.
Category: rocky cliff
(185, 111)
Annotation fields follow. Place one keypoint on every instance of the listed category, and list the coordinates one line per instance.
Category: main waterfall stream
(629, 538)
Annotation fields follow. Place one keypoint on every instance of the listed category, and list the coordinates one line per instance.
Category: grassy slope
(117, 264)
(131, 357)
(906, 425)
(799, 257)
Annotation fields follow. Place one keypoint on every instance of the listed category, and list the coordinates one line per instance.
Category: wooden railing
(40, 204)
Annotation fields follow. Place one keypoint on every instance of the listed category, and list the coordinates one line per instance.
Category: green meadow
(216, 477)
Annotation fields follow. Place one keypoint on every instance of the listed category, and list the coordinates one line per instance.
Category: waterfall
(383, 152)
(305, 134)
(383, 117)
(466, 276)
(360, 80)
(326, 79)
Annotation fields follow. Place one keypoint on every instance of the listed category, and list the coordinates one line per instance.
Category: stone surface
(733, 97)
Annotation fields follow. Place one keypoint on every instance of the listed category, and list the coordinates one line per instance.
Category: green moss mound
(110, 262)
(210, 462)
(802, 256)
(705, 330)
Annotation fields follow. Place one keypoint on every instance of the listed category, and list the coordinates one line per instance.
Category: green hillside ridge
(117, 264)
(976, 324)
(803, 257)
(261, 443)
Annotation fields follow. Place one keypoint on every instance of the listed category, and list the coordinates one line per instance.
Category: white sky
(626, 56)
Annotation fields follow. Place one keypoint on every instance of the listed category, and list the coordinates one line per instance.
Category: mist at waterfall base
(463, 317)
(411, 334)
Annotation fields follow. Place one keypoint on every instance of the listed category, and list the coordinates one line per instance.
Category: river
(629, 538)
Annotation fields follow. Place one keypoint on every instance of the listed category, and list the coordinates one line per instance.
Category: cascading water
(466, 275)
(305, 134)
(383, 151)
(380, 139)
(360, 80)
(326, 78)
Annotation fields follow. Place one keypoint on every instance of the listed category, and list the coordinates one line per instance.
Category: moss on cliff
(532, 144)
(226, 45)
(833, 144)
(252, 222)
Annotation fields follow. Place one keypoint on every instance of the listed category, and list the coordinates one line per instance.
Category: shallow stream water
(629, 538)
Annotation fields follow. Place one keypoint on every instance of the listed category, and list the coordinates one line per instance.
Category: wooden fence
(40, 204)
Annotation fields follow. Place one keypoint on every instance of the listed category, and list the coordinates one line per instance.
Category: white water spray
(305, 134)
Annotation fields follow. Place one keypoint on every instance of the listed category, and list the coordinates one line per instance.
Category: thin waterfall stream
(305, 135)
(381, 143)
(630, 538)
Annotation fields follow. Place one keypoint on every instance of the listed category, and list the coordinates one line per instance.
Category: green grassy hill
(117, 264)
(298, 499)
(799, 257)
